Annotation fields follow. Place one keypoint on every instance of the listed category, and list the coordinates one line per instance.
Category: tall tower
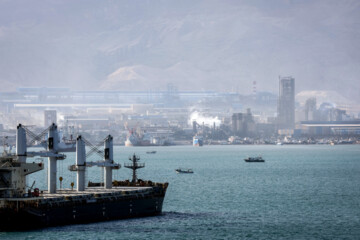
(286, 103)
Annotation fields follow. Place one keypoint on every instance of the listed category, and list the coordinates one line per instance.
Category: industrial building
(331, 128)
(243, 124)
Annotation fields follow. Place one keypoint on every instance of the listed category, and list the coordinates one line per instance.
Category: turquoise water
(300, 192)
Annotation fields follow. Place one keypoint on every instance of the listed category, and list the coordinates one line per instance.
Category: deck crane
(107, 162)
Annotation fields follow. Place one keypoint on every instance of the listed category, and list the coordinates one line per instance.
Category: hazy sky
(215, 45)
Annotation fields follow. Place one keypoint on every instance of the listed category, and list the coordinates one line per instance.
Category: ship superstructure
(26, 208)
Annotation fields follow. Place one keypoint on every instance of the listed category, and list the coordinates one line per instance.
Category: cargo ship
(134, 139)
(23, 207)
(198, 141)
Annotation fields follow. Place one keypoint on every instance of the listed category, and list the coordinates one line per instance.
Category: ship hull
(139, 144)
(197, 143)
(143, 144)
(32, 217)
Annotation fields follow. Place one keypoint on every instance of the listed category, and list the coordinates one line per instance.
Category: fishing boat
(151, 152)
(254, 159)
(180, 170)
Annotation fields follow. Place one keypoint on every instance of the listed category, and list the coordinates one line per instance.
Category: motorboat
(151, 152)
(180, 170)
(254, 159)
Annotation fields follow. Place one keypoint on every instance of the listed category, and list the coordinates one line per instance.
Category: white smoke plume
(202, 119)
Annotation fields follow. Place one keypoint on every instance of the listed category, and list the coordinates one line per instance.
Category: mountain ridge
(214, 45)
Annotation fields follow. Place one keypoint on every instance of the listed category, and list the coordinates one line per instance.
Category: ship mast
(134, 166)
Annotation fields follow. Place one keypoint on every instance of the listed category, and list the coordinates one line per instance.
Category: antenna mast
(134, 166)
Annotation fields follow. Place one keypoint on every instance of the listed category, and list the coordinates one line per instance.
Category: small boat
(151, 152)
(254, 159)
(179, 170)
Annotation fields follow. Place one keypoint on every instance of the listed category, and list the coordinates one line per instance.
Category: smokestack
(194, 127)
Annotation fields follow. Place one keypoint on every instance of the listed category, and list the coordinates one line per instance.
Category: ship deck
(89, 192)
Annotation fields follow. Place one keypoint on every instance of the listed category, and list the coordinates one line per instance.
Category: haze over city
(195, 45)
(179, 119)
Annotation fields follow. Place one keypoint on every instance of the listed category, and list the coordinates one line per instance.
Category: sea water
(300, 192)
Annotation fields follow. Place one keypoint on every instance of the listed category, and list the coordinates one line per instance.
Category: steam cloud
(207, 120)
